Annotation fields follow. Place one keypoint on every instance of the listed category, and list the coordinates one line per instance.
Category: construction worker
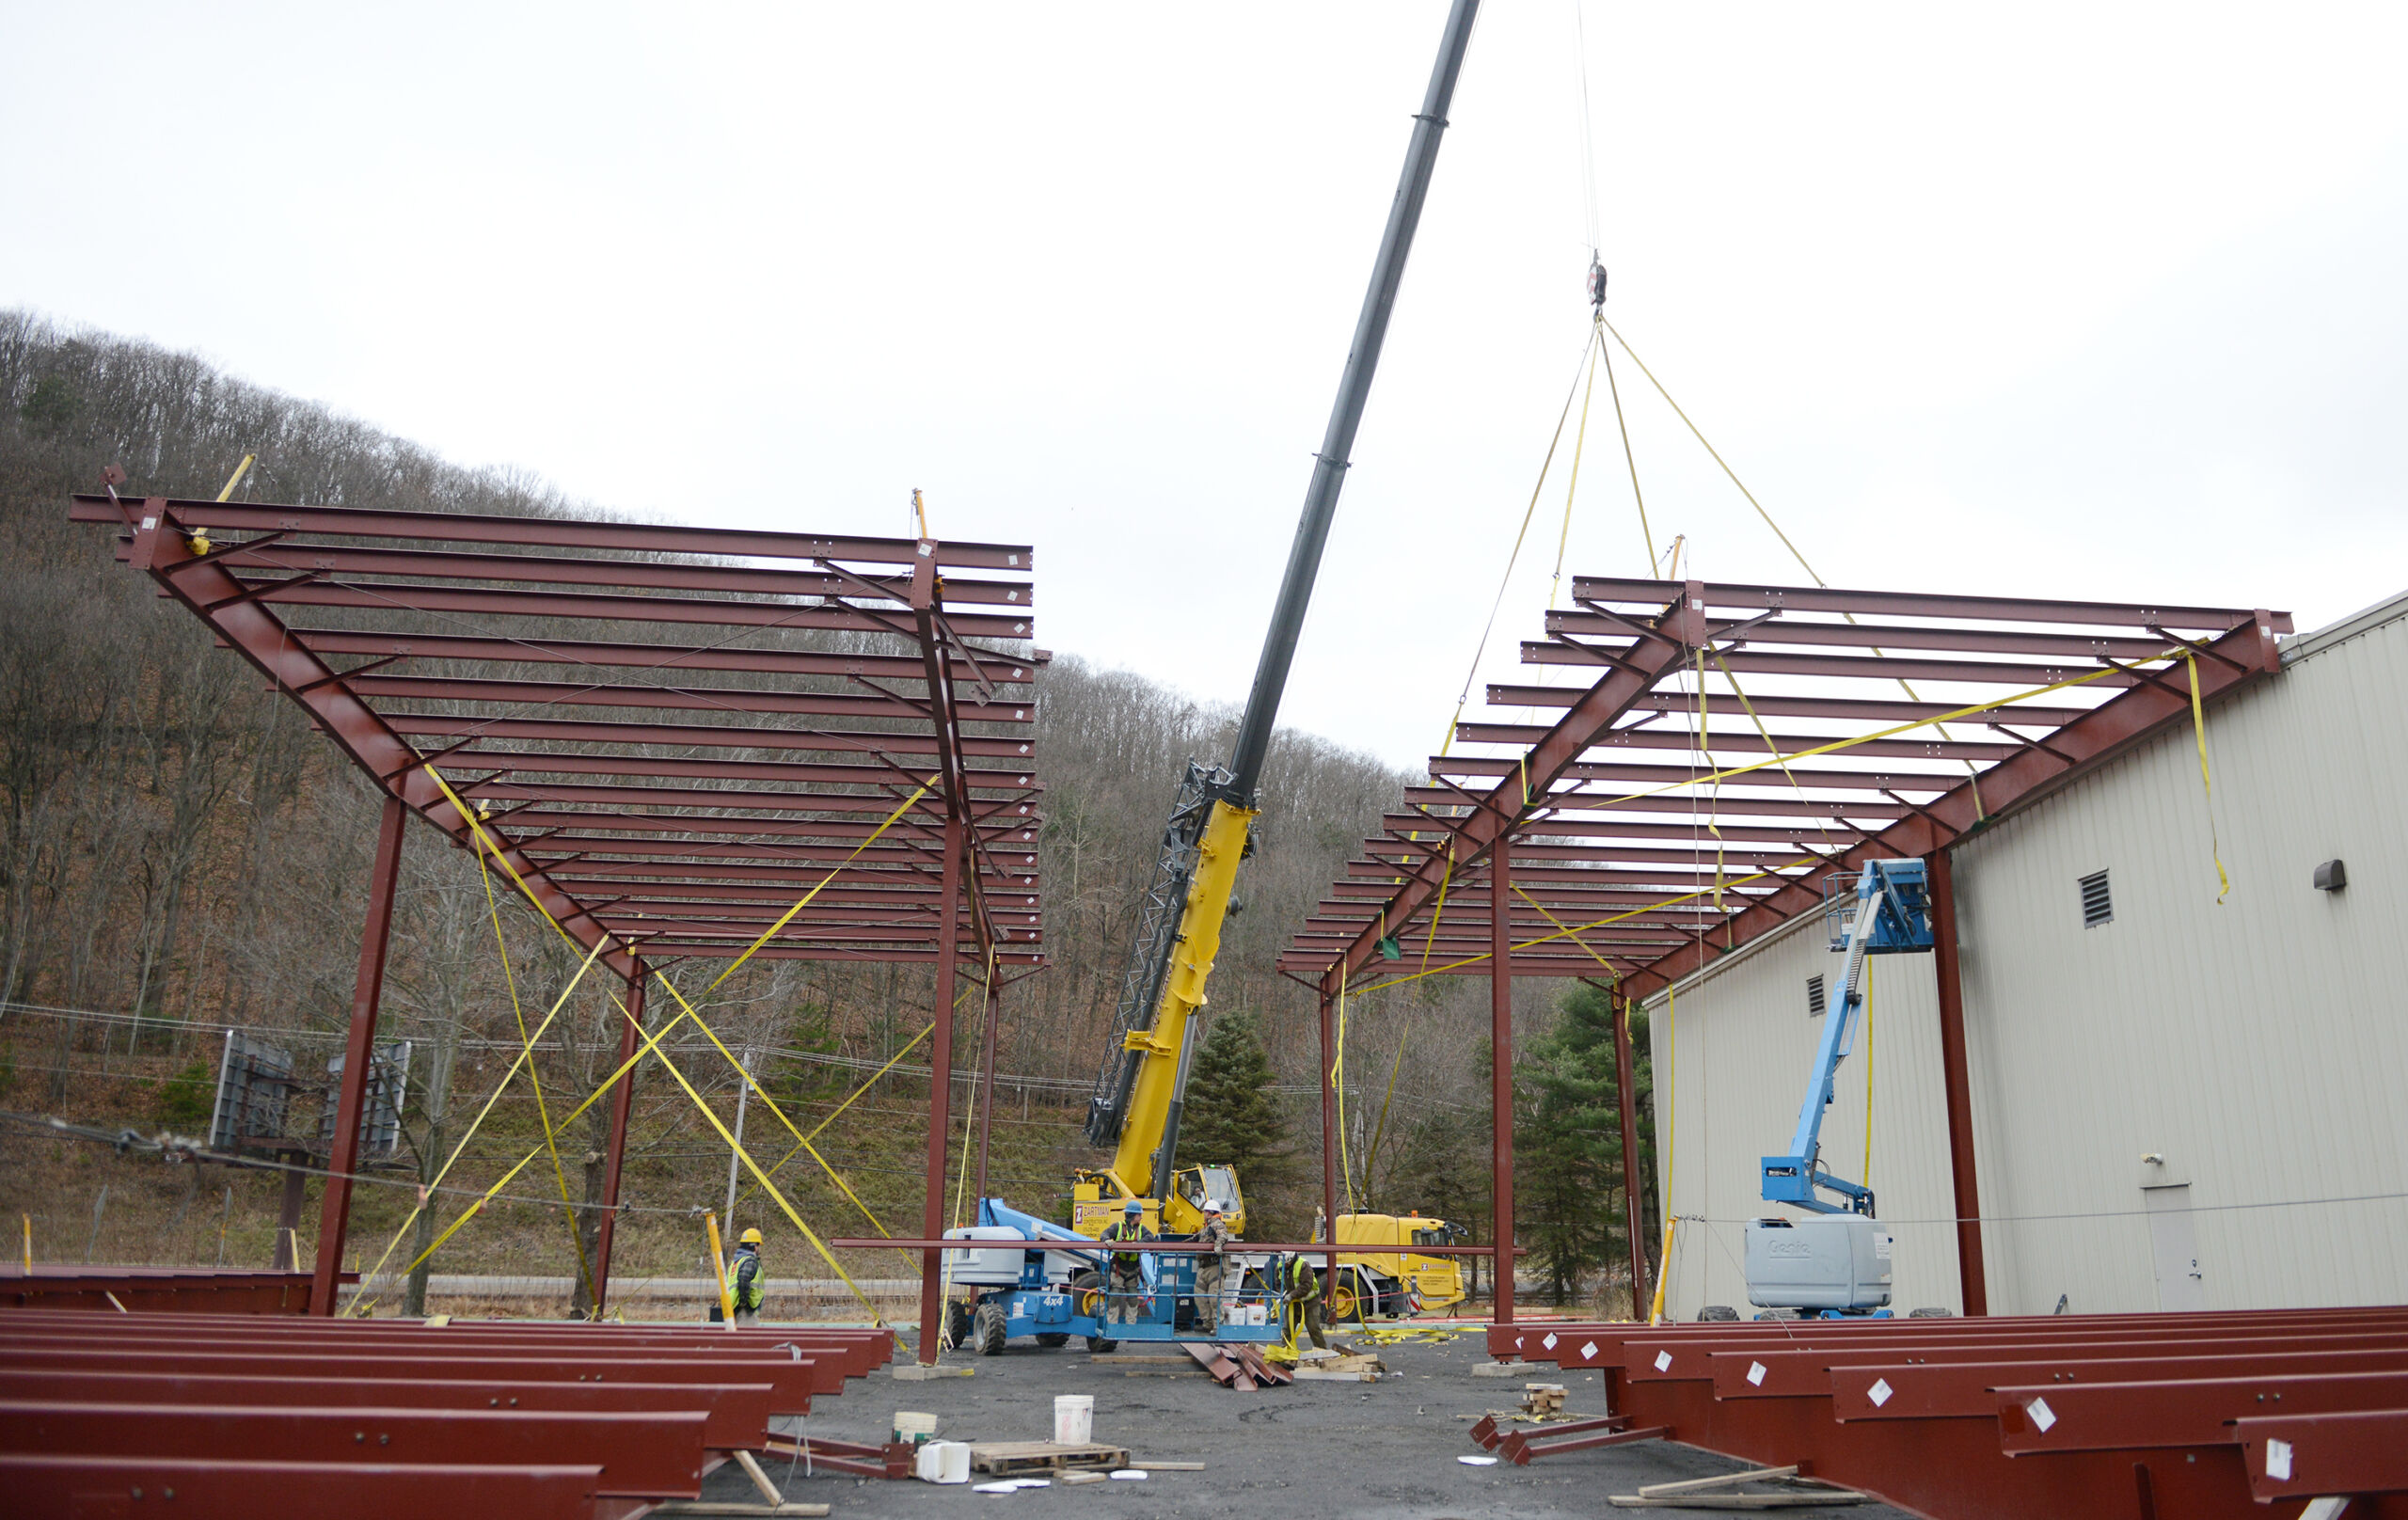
(1215, 1234)
(748, 1281)
(1302, 1286)
(1128, 1287)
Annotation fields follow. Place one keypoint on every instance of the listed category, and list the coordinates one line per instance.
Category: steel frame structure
(668, 735)
(1607, 817)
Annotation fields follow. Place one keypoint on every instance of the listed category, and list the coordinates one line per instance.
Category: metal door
(2175, 1246)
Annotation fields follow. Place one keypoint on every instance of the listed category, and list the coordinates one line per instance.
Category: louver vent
(1814, 997)
(2097, 908)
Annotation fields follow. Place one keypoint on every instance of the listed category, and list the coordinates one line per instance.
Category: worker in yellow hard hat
(747, 1279)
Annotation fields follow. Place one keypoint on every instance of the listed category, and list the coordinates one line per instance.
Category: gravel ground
(1386, 1449)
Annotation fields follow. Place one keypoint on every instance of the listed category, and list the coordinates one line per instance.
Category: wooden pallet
(1012, 1458)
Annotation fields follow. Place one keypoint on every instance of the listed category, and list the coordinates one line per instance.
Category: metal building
(2181, 1097)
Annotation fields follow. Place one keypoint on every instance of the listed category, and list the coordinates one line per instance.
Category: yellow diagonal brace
(535, 1079)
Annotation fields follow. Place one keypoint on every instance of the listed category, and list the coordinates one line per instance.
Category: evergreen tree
(1231, 1117)
(1568, 1141)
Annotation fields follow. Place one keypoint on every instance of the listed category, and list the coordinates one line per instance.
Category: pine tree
(1231, 1117)
(1568, 1141)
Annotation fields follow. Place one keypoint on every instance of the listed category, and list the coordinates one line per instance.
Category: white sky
(2038, 300)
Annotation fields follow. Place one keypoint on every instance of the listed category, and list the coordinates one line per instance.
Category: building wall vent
(1814, 997)
(2097, 906)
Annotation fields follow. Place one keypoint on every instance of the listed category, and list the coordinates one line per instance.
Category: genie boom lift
(1837, 1264)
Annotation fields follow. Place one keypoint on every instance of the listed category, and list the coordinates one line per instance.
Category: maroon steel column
(1500, 1046)
(1329, 1123)
(939, 1098)
(986, 1078)
(1627, 1084)
(1957, 1085)
(359, 1057)
(630, 1036)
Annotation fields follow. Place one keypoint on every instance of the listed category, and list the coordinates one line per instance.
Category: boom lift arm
(1890, 915)
(1139, 1093)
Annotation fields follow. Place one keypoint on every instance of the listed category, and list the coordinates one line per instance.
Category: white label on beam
(2043, 1416)
(1880, 1391)
(1756, 1374)
(1663, 1361)
(2278, 1460)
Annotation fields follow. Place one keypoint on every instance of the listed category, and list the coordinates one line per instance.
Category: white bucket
(1257, 1314)
(1073, 1418)
(944, 1461)
(916, 1429)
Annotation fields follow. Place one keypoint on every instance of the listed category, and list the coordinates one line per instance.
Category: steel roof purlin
(671, 734)
(1737, 743)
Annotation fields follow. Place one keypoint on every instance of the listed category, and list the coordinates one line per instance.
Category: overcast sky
(2034, 300)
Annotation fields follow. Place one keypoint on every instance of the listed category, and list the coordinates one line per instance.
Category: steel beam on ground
(649, 1453)
(359, 1059)
(231, 1489)
(735, 1416)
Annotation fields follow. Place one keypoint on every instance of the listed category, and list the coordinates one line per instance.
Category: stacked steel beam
(209, 1415)
(2190, 1415)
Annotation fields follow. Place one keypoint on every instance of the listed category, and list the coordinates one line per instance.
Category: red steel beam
(1956, 1088)
(715, 656)
(651, 1453)
(1500, 1086)
(620, 537)
(614, 1158)
(359, 1052)
(576, 694)
(2357, 1453)
(347, 560)
(223, 1489)
(1917, 604)
(854, 742)
(735, 1416)
(386, 596)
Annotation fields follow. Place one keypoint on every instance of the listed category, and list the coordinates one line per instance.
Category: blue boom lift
(1837, 1264)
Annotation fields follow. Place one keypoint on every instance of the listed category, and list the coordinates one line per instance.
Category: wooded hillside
(179, 853)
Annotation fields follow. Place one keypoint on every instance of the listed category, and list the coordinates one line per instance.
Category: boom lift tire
(1715, 1312)
(1051, 1340)
(1087, 1291)
(988, 1329)
(957, 1322)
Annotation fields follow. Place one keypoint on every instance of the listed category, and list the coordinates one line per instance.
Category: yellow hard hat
(751, 1237)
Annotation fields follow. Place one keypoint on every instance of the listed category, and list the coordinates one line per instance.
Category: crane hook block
(1596, 283)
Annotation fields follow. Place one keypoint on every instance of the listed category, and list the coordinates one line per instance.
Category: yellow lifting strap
(2206, 785)
(525, 1055)
(651, 1046)
(535, 1079)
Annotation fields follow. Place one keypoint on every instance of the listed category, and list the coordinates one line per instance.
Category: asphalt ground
(1386, 1449)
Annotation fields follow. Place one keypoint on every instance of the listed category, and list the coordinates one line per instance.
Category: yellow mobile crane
(1135, 1105)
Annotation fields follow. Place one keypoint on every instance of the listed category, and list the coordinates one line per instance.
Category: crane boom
(1139, 1096)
